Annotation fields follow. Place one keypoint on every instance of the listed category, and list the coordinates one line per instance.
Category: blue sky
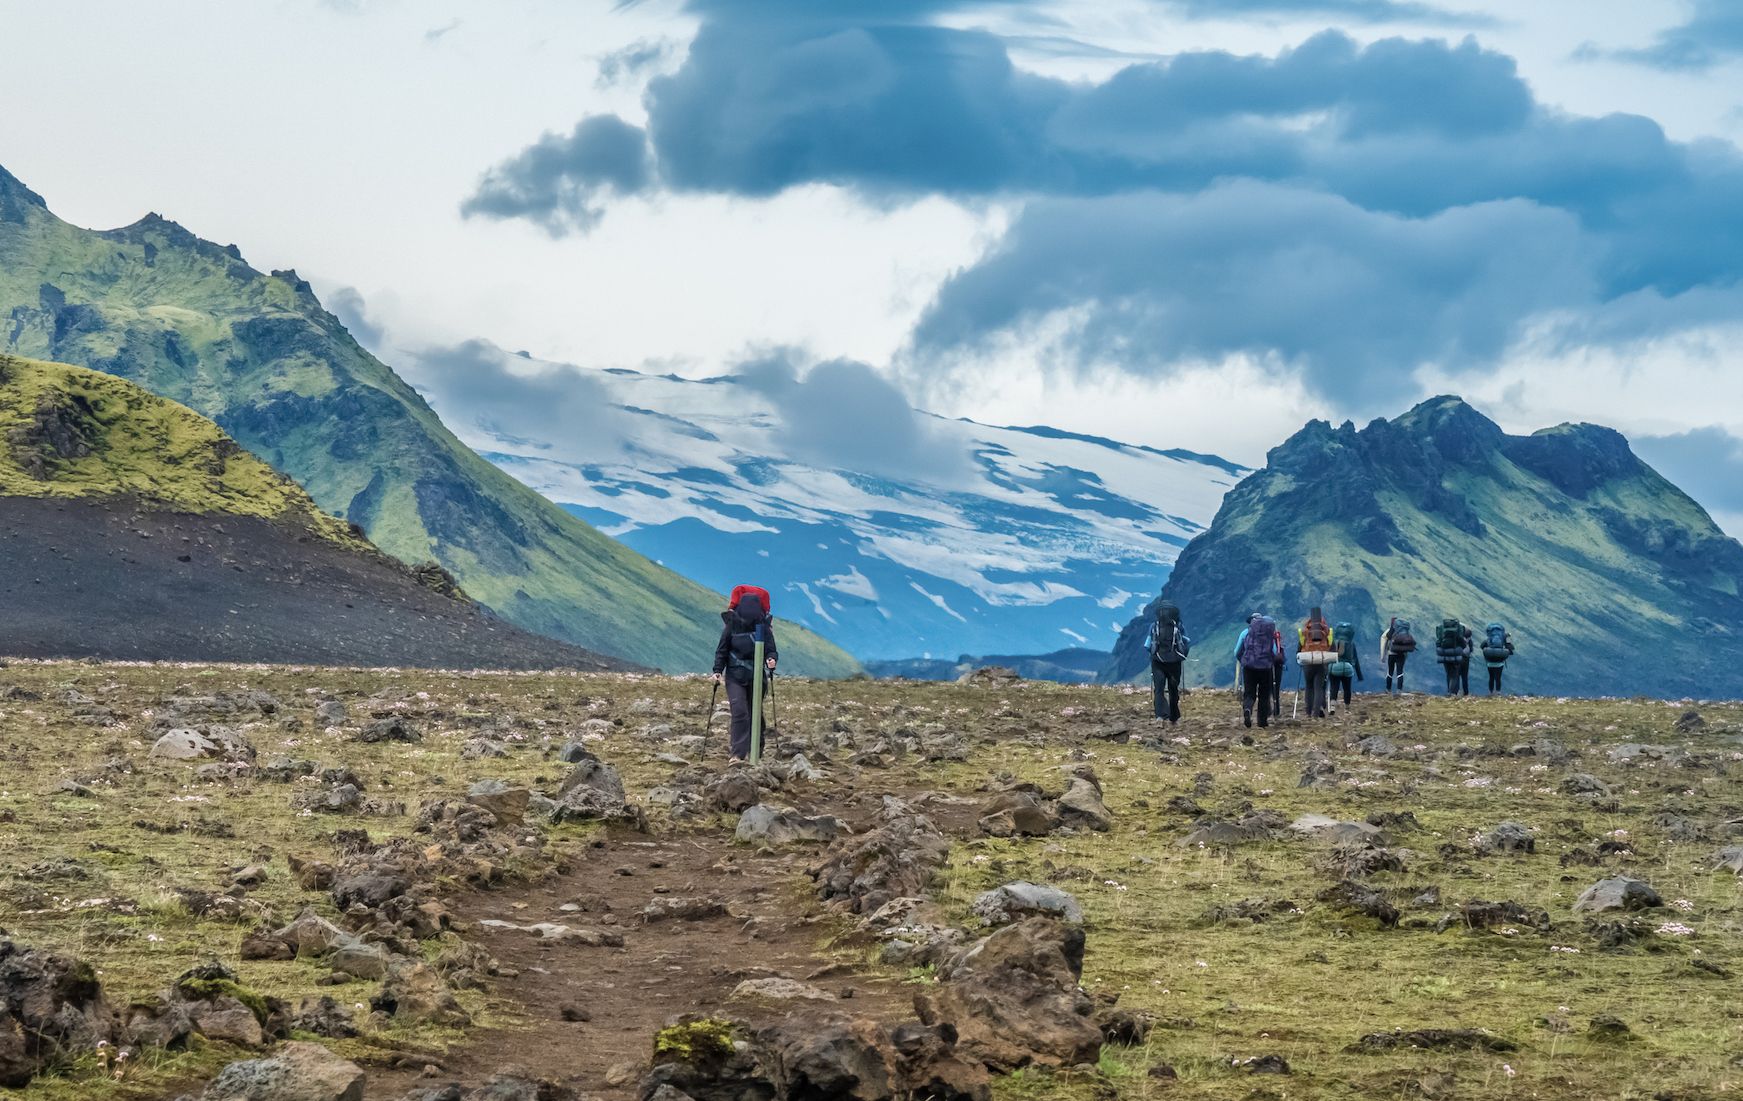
(1181, 222)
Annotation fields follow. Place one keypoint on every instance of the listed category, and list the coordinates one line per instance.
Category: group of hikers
(1327, 656)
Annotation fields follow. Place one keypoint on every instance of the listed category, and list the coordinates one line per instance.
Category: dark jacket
(731, 625)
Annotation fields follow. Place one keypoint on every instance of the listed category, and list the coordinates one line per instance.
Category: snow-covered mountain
(954, 538)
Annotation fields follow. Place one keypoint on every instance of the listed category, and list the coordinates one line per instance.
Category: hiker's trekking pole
(756, 700)
(708, 727)
(1300, 682)
(772, 721)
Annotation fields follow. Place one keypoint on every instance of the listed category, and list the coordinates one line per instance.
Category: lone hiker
(1168, 647)
(1396, 646)
(1313, 652)
(1497, 648)
(1452, 648)
(1348, 664)
(1260, 652)
(743, 621)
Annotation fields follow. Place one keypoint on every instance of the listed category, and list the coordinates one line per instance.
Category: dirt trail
(772, 926)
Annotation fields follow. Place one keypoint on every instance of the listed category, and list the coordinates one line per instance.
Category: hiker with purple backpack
(1259, 651)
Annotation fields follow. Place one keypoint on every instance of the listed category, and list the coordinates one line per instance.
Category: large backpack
(1260, 649)
(1345, 634)
(1315, 636)
(747, 621)
(1403, 642)
(1495, 645)
(1168, 641)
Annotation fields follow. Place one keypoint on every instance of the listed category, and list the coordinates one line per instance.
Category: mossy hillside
(1610, 579)
(190, 320)
(127, 442)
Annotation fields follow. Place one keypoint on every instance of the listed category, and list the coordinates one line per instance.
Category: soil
(773, 927)
(106, 580)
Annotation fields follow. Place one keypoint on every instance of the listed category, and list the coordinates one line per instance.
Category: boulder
(778, 989)
(507, 802)
(1014, 1000)
(1082, 805)
(1019, 900)
(895, 860)
(391, 729)
(52, 1009)
(767, 825)
(330, 713)
(1508, 837)
(296, 1072)
(184, 745)
(1017, 814)
(1332, 831)
(1729, 859)
(1617, 893)
(415, 993)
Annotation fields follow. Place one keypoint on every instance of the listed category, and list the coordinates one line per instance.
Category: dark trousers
(738, 698)
(1277, 691)
(1494, 679)
(1341, 684)
(1395, 670)
(1165, 690)
(1315, 679)
(1458, 678)
(1256, 687)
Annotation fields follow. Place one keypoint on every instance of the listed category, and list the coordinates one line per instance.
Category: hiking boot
(1247, 718)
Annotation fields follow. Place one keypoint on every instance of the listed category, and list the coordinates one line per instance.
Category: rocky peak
(1575, 458)
(16, 200)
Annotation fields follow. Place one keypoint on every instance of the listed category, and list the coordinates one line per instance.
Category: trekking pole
(1300, 681)
(773, 722)
(708, 727)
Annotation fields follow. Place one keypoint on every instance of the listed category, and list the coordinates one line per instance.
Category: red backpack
(751, 590)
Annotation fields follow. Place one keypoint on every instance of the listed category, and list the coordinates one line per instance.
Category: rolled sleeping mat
(1316, 657)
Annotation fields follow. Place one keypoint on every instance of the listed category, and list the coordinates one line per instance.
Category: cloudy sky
(1186, 223)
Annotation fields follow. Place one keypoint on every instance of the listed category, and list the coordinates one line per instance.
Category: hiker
(1313, 652)
(1260, 653)
(1396, 646)
(1452, 648)
(744, 620)
(1168, 647)
(1497, 648)
(1348, 665)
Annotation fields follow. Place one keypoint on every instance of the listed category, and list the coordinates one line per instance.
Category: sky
(1182, 223)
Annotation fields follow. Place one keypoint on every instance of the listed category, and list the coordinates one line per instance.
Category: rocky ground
(306, 883)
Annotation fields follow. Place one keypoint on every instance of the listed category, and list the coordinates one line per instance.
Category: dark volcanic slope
(1612, 581)
(97, 578)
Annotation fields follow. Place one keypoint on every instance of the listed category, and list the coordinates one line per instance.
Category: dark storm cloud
(1706, 463)
(558, 182)
(472, 385)
(1712, 35)
(348, 306)
(1356, 165)
(1264, 269)
(845, 415)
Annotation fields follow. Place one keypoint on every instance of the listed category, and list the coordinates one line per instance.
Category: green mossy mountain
(1611, 580)
(190, 320)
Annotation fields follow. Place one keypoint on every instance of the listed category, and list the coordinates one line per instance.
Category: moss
(700, 1041)
(206, 990)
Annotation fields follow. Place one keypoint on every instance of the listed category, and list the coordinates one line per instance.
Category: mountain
(1612, 581)
(190, 320)
(134, 528)
(1003, 540)
(1069, 666)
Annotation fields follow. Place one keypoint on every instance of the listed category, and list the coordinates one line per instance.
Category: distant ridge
(1612, 581)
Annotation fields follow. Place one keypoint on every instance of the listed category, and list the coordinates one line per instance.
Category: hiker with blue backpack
(1259, 651)
(1168, 647)
(1347, 666)
(1497, 648)
(746, 627)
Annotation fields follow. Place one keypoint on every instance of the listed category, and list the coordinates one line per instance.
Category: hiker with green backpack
(1452, 648)
(1348, 664)
(747, 630)
(1497, 648)
(1168, 647)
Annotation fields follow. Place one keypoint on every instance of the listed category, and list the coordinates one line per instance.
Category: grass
(1305, 984)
